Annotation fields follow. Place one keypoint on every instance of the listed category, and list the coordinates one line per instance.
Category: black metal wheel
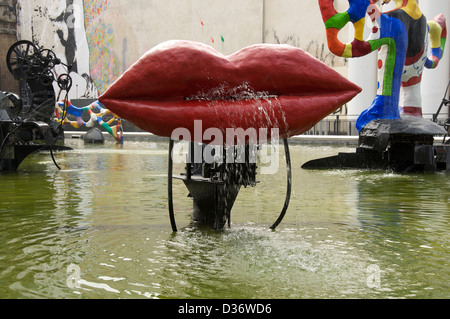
(64, 82)
(21, 59)
(49, 58)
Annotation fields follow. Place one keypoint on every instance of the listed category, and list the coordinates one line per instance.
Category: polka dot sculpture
(401, 37)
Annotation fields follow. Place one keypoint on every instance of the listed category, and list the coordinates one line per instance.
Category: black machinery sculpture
(215, 186)
(27, 126)
(403, 145)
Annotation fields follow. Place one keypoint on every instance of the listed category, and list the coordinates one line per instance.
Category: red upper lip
(168, 77)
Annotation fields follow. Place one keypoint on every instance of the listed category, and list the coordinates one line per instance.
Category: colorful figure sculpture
(401, 38)
(96, 112)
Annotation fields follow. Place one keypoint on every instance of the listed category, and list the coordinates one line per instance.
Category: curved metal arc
(169, 188)
(289, 185)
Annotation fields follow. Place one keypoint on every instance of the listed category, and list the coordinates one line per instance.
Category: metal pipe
(444, 102)
(169, 187)
(190, 160)
(289, 185)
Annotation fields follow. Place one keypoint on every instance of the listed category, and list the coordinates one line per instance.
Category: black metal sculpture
(402, 145)
(28, 127)
(445, 123)
(215, 186)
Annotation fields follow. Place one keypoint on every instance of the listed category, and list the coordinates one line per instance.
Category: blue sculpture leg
(381, 108)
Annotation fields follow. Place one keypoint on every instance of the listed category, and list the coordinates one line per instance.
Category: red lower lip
(159, 93)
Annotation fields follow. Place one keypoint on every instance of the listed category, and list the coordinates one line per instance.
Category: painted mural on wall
(74, 30)
(105, 65)
(59, 26)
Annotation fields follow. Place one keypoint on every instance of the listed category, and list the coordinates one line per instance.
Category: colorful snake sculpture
(96, 113)
(402, 37)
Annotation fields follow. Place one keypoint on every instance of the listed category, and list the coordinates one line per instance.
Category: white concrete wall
(226, 25)
(299, 23)
(114, 34)
(111, 35)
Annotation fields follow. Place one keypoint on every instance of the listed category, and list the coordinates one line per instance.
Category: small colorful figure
(96, 112)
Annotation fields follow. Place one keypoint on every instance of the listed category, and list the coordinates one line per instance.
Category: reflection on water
(99, 228)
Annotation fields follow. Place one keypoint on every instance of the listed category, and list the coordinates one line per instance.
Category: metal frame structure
(214, 187)
(24, 131)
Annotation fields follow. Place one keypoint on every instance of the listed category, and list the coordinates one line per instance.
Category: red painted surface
(157, 92)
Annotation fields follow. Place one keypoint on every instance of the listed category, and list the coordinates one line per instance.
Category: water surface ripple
(99, 228)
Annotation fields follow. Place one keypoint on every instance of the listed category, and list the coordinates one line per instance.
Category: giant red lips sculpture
(260, 86)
